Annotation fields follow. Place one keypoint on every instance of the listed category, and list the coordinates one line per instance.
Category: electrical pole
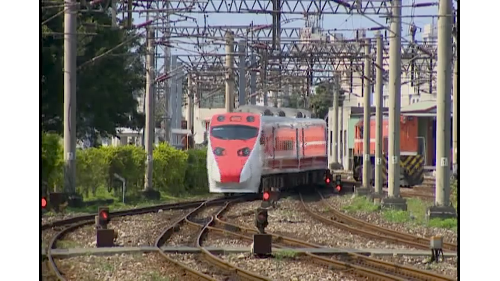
(379, 115)
(150, 116)
(367, 169)
(190, 104)
(455, 106)
(242, 97)
(71, 10)
(253, 79)
(335, 121)
(229, 72)
(394, 199)
(444, 67)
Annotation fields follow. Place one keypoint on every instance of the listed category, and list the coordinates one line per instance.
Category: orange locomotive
(411, 151)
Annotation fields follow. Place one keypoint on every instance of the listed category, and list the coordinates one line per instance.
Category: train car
(411, 159)
(248, 152)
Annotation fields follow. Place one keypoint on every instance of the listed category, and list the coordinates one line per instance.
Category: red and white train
(249, 152)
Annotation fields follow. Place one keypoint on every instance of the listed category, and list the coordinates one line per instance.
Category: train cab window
(234, 132)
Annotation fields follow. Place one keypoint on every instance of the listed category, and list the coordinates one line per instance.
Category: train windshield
(234, 132)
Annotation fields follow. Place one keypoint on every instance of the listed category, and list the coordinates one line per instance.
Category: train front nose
(230, 175)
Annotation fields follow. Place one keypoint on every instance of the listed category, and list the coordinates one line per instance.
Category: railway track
(359, 265)
(357, 226)
(202, 217)
(74, 223)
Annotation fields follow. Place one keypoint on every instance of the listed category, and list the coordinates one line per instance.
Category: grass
(131, 201)
(285, 254)
(66, 244)
(415, 214)
(361, 203)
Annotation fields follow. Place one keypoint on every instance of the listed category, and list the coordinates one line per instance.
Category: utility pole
(335, 122)
(341, 131)
(455, 105)
(71, 10)
(190, 103)
(442, 206)
(242, 97)
(394, 199)
(229, 71)
(150, 116)
(253, 79)
(263, 76)
(367, 169)
(379, 115)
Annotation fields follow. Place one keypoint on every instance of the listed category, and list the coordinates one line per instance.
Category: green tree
(106, 87)
(322, 100)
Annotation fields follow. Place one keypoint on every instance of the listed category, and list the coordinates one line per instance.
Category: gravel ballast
(122, 267)
(140, 230)
(291, 220)
(286, 268)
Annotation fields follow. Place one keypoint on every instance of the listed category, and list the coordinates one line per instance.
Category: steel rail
(341, 221)
(377, 268)
(76, 222)
(216, 261)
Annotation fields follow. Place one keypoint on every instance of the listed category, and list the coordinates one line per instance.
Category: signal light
(266, 196)
(338, 182)
(44, 202)
(261, 220)
(103, 213)
(327, 180)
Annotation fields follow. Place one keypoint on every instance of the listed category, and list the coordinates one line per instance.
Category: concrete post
(394, 199)
(335, 122)
(150, 116)
(253, 80)
(455, 113)
(190, 104)
(367, 169)
(242, 45)
(341, 132)
(71, 10)
(229, 71)
(263, 77)
(179, 101)
(379, 85)
(443, 126)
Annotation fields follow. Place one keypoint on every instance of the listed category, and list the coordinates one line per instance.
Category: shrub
(196, 173)
(169, 169)
(52, 160)
(175, 172)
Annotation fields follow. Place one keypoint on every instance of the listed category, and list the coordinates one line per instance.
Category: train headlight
(219, 151)
(244, 152)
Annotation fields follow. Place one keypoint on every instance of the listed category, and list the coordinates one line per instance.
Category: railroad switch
(436, 248)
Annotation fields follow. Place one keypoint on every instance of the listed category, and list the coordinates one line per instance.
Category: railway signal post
(262, 242)
(394, 199)
(104, 236)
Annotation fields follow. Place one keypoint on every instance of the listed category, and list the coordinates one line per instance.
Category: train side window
(285, 145)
